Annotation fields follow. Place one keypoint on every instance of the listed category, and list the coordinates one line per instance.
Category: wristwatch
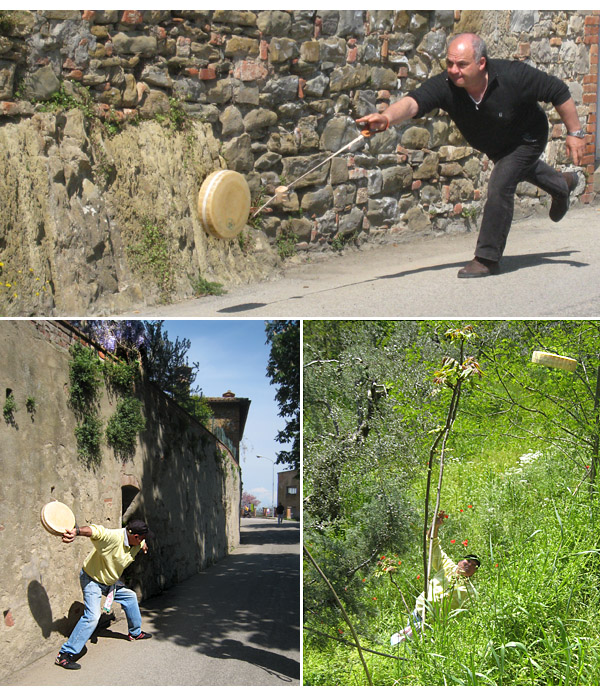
(577, 134)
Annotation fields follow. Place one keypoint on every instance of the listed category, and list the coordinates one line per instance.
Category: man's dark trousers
(522, 164)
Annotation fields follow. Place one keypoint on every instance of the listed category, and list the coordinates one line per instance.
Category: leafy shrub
(85, 373)
(120, 375)
(9, 408)
(88, 435)
(124, 425)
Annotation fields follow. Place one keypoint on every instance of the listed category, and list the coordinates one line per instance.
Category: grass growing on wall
(150, 255)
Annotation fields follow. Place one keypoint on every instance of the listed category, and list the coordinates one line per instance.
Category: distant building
(229, 419)
(288, 493)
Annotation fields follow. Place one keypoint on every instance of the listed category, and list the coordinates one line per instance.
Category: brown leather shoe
(479, 268)
(560, 205)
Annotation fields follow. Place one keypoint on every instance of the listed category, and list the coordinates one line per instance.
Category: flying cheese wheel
(224, 203)
(551, 360)
(57, 518)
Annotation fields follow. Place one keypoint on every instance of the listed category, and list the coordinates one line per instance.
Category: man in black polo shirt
(494, 104)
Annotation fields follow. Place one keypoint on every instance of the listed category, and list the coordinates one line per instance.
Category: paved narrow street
(236, 623)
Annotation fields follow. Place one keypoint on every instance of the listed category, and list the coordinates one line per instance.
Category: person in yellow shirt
(449, 587)
(114, 550)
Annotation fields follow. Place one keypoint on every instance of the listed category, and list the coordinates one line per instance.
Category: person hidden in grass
(449, 587)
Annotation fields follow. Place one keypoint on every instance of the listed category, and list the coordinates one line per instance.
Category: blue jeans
(417, 618)
(92, 596)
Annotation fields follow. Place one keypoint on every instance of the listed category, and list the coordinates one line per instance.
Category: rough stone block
(294, 167)
(232, 123)
(383, 79)
(350, 225)
(249, 71)
(395, 179)
(382, 211)
(221, 92)
(460, 190)
(241, 17)
(282, 50)
(415, 138)
(310, 51)
(317, 202)
(348, 77)
(239, 46)
(274, 23)
(259, 119)
(238, 153)
(428, 169)
(41, 84)
(138, 45)
(7, 76)
(155, 102)
(417, 220)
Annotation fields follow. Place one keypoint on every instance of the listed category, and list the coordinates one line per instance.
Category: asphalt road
(235, 624)
(549, 270)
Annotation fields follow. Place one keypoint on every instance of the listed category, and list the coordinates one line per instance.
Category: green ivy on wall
(86, 372)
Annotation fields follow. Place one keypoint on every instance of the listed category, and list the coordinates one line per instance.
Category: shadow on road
(268, 532)
(246, 607)
(272, 663)
(510, 264)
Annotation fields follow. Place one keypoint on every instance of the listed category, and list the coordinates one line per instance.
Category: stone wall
(181, 480)
(269, 94)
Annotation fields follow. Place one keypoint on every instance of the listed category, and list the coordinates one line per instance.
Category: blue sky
(233, 355)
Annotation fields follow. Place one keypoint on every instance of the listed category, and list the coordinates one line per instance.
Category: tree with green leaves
(532, 402)
(369, 407)
(164, 361)
(283, 368)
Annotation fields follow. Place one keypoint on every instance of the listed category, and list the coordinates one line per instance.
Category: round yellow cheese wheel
(224, 203)
(57, 518)
(551, 360)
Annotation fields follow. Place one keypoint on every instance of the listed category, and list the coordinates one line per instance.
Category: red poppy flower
(469, 506)
(453, 541)
(465, 542)
(461, 510)
(418, 577)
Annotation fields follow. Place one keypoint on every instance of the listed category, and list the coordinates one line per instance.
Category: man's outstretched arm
(398, 112)
(70, 534)
(438, 522)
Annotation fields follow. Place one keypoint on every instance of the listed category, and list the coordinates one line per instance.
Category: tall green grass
(536, 620)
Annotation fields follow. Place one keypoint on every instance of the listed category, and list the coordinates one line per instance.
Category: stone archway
(130, 488)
